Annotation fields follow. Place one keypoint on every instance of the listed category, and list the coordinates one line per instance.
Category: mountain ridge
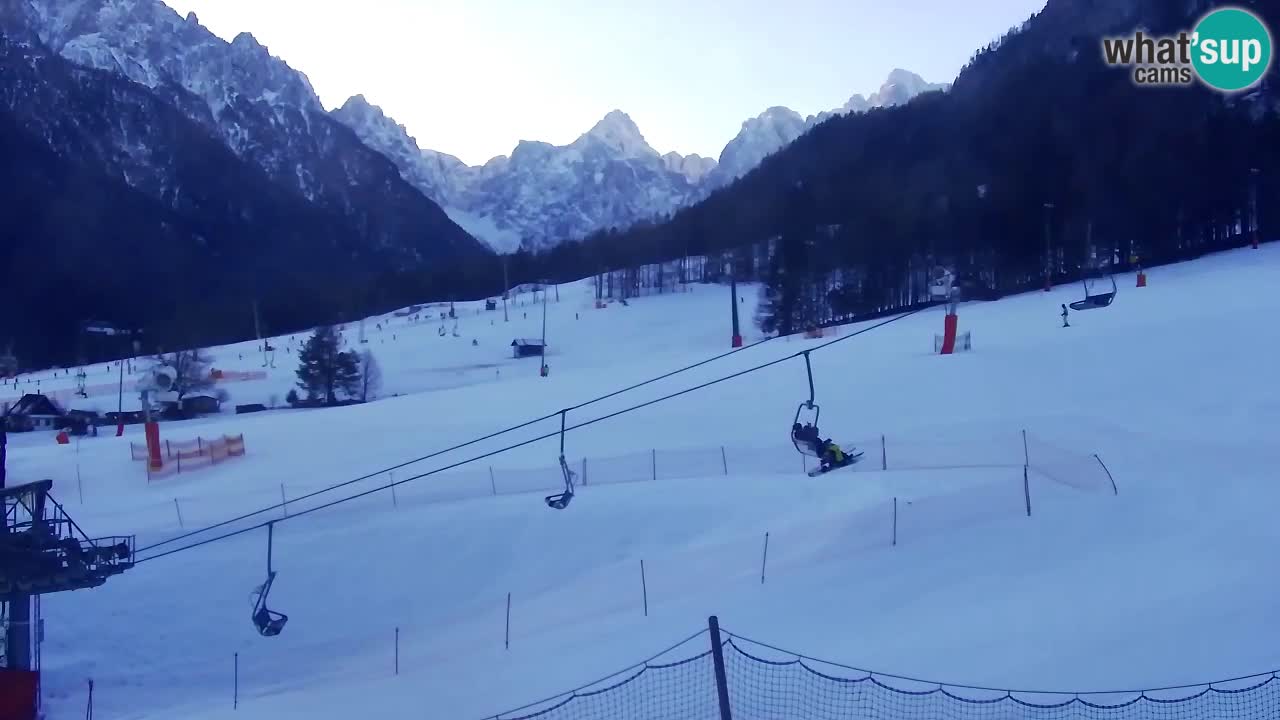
(542, 194)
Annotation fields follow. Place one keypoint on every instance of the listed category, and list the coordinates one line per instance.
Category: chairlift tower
(543, 371)
(43, 551)
(736, 339)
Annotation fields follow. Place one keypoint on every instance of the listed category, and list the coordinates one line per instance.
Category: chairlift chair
(560, 501)
(805, 445)
(1097, 300)
(269, 622)
(940, 286)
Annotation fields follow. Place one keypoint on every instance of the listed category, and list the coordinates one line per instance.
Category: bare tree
(370, 376)
(192, 370)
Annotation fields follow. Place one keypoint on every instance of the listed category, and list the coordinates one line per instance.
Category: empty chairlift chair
(560, 501)
(1093, 299)
(268, 622)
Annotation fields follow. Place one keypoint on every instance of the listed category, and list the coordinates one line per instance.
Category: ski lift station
(526, 347)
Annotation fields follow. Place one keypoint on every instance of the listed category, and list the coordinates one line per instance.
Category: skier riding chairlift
(807, 435)
(833, 456)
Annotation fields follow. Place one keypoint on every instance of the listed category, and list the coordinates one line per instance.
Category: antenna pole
(505, 288)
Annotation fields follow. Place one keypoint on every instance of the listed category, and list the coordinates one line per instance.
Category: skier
(1064, 317)
(815, 438)
(832, 456)
(808, 434)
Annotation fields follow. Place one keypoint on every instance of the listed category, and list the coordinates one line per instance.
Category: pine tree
(323, 370)
(787, 298)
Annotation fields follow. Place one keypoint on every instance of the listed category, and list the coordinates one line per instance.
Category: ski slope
(1167, 582)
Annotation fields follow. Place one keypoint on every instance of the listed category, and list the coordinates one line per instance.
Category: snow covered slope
(1094, 591)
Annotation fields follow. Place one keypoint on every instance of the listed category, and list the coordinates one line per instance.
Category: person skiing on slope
(1064, 317)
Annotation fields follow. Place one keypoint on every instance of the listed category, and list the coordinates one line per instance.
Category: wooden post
(884, 455)
(895, 522)
(178, 507)
(644, 589)
(1026, 489)
(1114, 489)
(765, 559)
(717, 658)
(654, 455)
(724, 460)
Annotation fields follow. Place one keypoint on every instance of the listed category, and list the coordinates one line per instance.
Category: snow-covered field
(1168, 582)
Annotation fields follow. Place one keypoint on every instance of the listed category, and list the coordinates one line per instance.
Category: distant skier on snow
(1064, 317)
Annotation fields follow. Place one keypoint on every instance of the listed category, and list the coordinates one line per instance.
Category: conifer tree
(324, 370)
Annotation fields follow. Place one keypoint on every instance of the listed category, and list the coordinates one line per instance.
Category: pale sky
(474, 77)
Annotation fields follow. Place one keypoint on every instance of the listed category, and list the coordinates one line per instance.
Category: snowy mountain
(438, 175)
(162, 177)
(609, 177)
(778, 127)
(694, 167)
(542, 194)
(268, 115)
(265, 112)
(760, 137)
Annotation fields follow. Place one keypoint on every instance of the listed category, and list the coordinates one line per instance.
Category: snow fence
(886, 453)
(186, 455)
(717, 674)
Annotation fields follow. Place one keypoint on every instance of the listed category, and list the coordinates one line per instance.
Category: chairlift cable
(499, 451)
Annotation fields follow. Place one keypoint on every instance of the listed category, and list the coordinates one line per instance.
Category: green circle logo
(1232, 49)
